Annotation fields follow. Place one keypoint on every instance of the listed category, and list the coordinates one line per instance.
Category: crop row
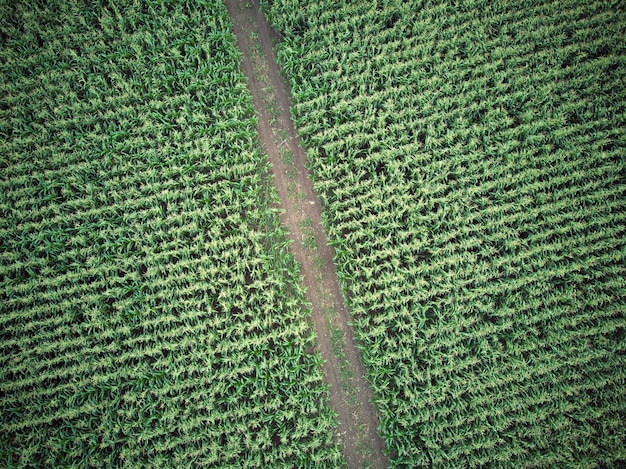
(151, 315)
(470, 161)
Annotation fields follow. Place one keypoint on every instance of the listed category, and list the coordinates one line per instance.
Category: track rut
(350, 394)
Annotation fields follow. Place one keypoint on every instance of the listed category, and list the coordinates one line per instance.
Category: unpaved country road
(350, 394)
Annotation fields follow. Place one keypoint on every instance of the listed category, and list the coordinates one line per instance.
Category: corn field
(151, 315)
(471, 158)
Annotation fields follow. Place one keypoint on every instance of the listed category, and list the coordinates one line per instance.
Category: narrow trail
(350, 394)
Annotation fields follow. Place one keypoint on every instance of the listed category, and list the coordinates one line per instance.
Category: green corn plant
(479, 120)
(135, 219)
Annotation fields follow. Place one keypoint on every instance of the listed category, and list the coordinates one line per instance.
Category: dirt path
(350, 394)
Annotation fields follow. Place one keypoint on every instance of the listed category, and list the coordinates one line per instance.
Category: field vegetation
(471, 158)
(150, 313)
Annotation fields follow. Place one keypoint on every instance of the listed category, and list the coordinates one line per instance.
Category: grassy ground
(471, 161)
(150, 312)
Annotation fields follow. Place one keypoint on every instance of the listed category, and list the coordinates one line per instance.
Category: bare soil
(350, 394)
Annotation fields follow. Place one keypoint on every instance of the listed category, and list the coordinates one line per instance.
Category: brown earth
(350, 394)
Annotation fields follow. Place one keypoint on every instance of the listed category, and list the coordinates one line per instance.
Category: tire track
(350, 394)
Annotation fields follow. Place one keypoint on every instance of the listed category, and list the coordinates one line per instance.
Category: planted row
(469, 158)
(150, 311)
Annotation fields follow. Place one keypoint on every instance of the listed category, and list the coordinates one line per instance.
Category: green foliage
(470, 157)
(150, 312)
